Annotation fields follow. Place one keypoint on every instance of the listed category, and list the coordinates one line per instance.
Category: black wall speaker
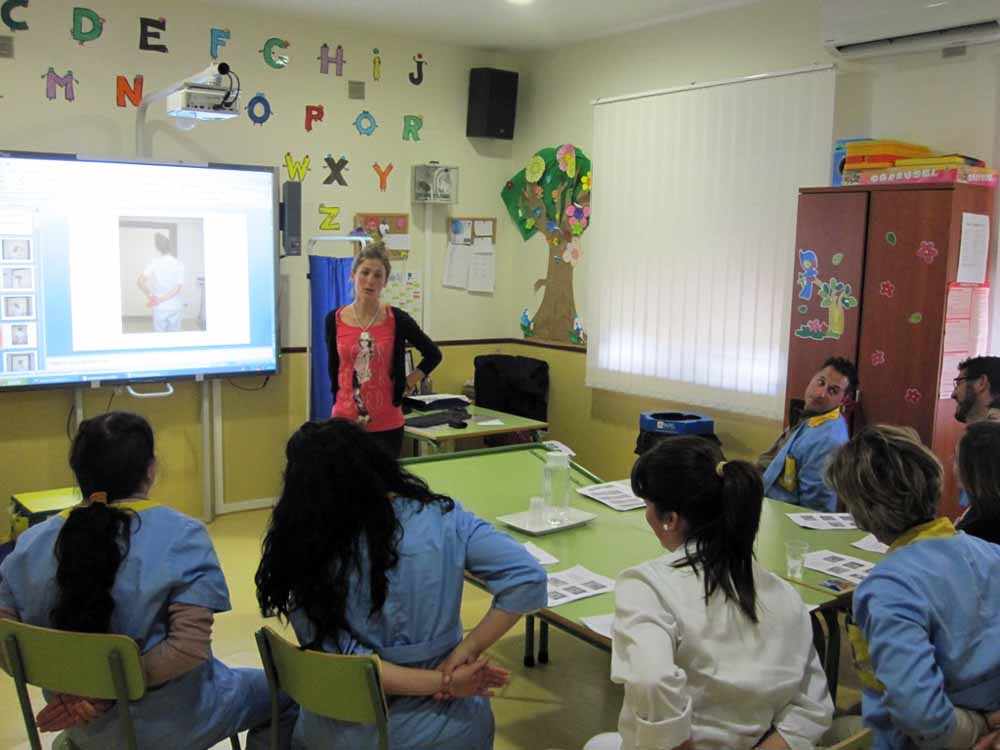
(291, 217)
(492, 103)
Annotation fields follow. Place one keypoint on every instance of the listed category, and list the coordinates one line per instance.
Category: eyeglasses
(956, 381)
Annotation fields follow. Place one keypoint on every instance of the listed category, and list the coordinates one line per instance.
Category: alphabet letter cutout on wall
(259, 109)
(376, 65)
(131, 92)
(150, 28)
(325, 59)
(411, 127)
(275, 61)
(383, 175)
(314, 113)
(296, 169)
(336, 170)
(54, 80)
(218, 39)
(417, 76)
(82, 15)
(328, 222)
(7, 16)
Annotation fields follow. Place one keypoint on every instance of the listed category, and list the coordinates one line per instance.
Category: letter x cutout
(336, 168)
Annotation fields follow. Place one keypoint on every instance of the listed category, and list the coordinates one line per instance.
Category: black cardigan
(407, 330)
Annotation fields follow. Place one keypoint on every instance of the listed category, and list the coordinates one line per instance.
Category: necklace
(365, 336)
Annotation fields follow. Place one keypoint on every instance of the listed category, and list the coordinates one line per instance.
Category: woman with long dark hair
(121, 563)
(977, 459)
(363, 558)
(714, 651)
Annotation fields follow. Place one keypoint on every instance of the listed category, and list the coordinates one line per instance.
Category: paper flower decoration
(529, 223)
(567, 159)
(887, 289)
(586, 181)
(535, 169)
(927, 252)
(551, 226)
(878, 358)
(556, 239)
(817, 326)
(912, 396)
(572, 253)
(577, 216)
(538, 190)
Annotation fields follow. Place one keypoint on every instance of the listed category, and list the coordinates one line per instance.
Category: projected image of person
(19, 335)
(17, 278)
(162, 282)
(15, 250)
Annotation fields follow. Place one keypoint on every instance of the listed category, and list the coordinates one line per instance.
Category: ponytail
(721, 502)
(110, 456)
(90, 549)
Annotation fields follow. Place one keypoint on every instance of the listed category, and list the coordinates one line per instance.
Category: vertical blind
(692, 247)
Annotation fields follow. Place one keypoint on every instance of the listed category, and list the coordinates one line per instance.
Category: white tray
(522, 522)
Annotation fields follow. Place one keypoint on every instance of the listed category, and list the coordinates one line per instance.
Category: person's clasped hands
(469, 674)
(68, 711)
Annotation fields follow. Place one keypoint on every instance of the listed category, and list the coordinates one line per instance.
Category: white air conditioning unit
(858, 29)
(434, 183)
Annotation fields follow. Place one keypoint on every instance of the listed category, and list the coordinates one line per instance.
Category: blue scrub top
(811, 445)
(930, 612)
(420, 624)
(171, 560)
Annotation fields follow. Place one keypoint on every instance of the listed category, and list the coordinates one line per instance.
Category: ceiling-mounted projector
(200, 102)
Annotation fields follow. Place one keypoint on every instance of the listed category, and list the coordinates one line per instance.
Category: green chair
(92, 665)
(860, 741)
(345, 688)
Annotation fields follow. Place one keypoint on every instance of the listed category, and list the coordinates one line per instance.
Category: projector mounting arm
(210, 76)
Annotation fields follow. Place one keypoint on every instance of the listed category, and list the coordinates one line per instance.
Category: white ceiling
(496, 24)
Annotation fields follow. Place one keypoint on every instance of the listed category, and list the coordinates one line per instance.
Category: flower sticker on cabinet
(927, 252)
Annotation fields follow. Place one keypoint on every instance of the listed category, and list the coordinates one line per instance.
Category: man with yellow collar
(793, 467)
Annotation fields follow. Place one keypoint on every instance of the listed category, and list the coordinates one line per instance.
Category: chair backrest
(93, 665)
(512, 384)
(346, 688)
(860, 741)
(74, 663)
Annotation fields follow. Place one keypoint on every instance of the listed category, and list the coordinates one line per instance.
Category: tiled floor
(559, 705)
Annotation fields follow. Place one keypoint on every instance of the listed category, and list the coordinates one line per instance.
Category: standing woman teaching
(366, 343)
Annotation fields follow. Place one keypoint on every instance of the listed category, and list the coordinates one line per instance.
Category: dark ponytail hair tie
(719, 467)
(98, 497)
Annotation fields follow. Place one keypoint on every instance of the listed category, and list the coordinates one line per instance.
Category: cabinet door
(829, 257)
(902, 308)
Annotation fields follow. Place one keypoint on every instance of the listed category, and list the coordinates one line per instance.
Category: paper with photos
(577, 583)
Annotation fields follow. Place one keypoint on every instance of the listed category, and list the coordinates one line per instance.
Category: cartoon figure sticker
(383, 175)
(259, 109)
(336, 168)
(54, 81)
(296, 169)
(809, 264)
(376, 65)
(365, 123)
(329, 221)
(325, 59)
(94, 23)
(417, 76)
(836, 297)
(526, 324)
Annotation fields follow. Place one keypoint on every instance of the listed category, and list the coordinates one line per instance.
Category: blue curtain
(329, 288)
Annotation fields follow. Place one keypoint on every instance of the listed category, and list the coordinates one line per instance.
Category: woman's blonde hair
(373, 251)
(888, 480)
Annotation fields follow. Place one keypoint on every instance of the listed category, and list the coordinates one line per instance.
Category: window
(692, 250)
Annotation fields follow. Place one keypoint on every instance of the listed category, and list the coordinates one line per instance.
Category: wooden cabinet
(879, 261)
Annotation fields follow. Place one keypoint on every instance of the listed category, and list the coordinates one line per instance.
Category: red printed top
(367, 388)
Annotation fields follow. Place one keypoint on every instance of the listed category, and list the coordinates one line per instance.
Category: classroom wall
(33, 443)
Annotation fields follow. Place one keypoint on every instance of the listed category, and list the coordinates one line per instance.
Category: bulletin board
(394, 229)
(470, 263)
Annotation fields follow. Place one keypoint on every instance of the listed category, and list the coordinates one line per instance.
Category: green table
(500, 481)
(29, 508)
(442, 437)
